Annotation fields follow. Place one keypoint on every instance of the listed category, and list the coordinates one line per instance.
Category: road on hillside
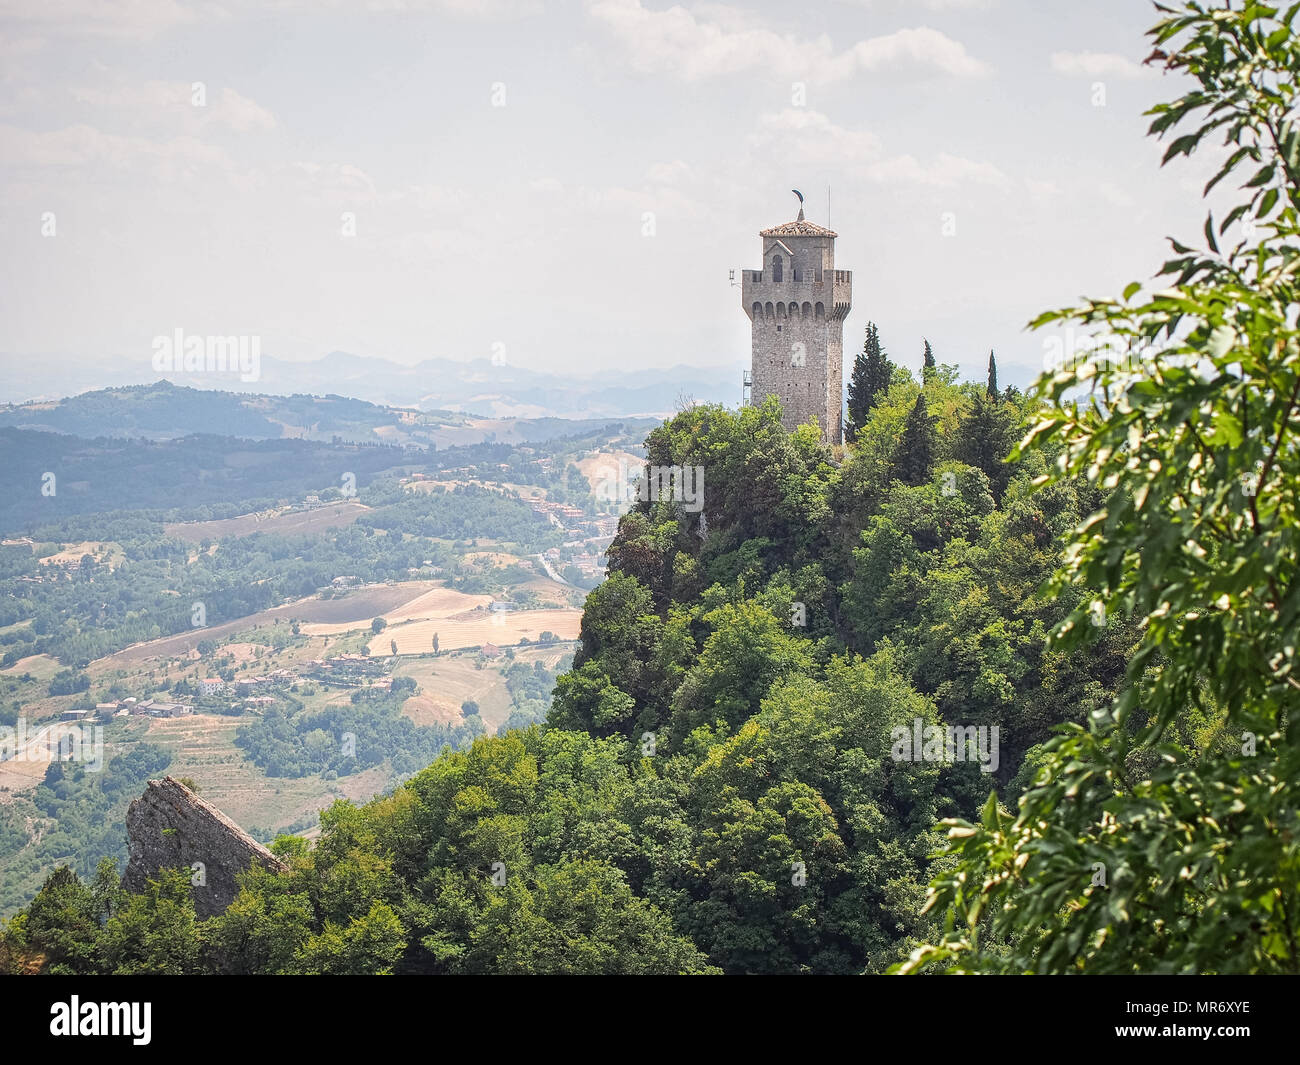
(550, 572)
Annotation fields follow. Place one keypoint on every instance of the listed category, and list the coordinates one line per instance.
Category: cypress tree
(927, 363)
(985, 436)
(872, 372)
(993, 375)
(914, 459)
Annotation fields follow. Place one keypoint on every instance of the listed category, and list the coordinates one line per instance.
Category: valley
(192, 635)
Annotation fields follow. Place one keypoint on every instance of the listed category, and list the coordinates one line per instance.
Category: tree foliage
(1164, 836)
(872, 375)
(914, 460)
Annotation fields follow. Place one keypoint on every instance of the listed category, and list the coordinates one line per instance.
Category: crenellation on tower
(797, 304)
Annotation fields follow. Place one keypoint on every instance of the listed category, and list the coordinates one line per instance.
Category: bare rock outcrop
(170, 827)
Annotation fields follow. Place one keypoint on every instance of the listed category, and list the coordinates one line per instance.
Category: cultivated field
(502, 629)
(524, 491)
(490, 559)
(203, 748)
(329, 516)
(25, 773)
(42, 667)
(334, 615)
(445, 683)
(429, 601)
(20, 775)
(603, 468)
(112, 553)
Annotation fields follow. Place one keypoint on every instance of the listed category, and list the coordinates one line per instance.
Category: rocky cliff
(169, 827)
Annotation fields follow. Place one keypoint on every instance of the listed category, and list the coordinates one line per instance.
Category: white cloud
(477, 9)
(718, 41)
(334, 184)
(1098, 65)
(1042, 192)
(813, 138)
(673, 173)
(627, 205)
(945, 171)
(141, 97)
(919, 47)
(15, 48)
(83, 146)
(240, 113)
(130, 19)
(99, 18)
(170, 100)
(933, 5)
(728, 17)
(1115, 196)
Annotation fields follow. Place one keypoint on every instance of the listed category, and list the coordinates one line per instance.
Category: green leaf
(1262, 177)
(1181, 146)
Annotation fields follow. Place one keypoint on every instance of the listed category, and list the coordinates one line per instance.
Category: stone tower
(797, 304)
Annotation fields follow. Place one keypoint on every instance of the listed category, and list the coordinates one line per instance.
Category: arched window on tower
(777, 267)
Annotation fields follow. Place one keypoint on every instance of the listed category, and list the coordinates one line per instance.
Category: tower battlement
(831, 297)
(796, 305)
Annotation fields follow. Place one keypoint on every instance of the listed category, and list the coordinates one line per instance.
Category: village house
(156, 708)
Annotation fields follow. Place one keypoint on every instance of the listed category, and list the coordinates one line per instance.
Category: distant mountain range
(475, 387)
(164, 411)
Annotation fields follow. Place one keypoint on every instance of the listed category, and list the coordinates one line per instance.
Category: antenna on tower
(828, 206)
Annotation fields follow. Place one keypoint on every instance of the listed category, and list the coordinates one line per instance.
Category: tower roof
(800, 227)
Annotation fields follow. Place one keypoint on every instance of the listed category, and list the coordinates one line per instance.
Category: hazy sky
(526, 224)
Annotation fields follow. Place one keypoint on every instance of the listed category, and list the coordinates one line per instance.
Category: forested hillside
(164, 411)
